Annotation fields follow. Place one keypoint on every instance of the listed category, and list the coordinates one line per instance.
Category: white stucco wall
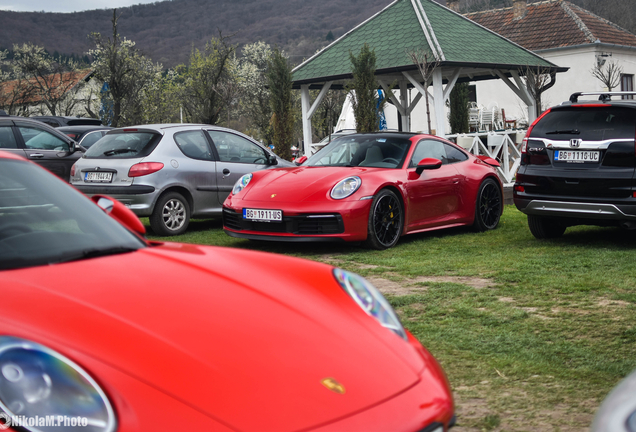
(579, 59)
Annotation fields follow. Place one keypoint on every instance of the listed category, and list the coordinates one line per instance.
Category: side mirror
(120, 213)
(271, 160)
(428, 164)
(301, 160)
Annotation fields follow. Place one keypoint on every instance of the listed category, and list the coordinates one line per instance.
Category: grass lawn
(532, 334)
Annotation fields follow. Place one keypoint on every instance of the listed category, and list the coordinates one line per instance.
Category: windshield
(123, 145)
(45, 221)
(379, 151)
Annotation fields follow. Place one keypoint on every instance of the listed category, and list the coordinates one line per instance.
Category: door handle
(226, 172)
(36, 155)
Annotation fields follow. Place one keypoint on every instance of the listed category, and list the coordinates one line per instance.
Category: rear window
(589, 124)
(126, 145)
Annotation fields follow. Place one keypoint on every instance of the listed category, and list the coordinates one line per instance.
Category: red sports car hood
(245, 344)
(298, 184)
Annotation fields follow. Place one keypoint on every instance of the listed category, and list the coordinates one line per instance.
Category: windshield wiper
(565, 131)
(119, 151)
(94, 253)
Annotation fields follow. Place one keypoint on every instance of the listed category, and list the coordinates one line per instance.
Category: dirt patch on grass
(418, 284)
(477, 415)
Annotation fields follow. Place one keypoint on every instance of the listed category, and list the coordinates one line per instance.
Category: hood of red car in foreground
(298, 184)
(241, 336)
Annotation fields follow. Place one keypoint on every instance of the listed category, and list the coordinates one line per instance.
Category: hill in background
(166, 31)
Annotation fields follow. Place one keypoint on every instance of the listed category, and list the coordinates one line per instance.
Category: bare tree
(609, 74)
(210, 81)
(426, 68)
(119, 63)
(538, 79)
(39, 79)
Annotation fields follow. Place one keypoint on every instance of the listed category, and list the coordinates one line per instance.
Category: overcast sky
(65, 5)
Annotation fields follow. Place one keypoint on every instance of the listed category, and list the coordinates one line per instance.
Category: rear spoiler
(488, 160)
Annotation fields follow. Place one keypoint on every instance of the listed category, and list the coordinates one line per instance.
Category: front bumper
(317, 221)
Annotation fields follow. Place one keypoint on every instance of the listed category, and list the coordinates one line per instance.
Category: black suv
(577, 165)
(39, 143)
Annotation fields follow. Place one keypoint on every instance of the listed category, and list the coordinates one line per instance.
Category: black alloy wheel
(488, 207)
(386, 219)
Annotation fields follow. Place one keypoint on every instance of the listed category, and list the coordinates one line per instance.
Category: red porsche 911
(103, 331)
(368, 187)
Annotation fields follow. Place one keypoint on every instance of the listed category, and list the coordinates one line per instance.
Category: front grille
(300, 225)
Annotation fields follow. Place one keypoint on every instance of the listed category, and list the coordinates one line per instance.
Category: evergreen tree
(279, 78)
(364, 87)
(458, 116)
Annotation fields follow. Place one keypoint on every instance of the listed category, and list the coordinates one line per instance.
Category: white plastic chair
(473, 116)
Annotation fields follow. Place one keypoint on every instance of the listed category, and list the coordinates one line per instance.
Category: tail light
(524, 144)
(144, 168)
(525, 159)
(73, 170)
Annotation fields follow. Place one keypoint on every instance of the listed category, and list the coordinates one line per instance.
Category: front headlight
(370, 300)
(241, 183)
(345, 187)
(39, 387)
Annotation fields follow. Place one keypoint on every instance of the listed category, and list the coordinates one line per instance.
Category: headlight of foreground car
(370, 300)
(346, 187)
(36, 383)
(241, 183)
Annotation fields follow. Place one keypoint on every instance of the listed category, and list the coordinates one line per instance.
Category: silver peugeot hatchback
(170, 172)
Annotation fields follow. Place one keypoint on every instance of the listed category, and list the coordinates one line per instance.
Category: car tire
(386, 220)
(545, 228)
(488, 206)
(171, 215)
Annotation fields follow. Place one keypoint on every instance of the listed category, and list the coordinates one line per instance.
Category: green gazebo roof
(419, 26)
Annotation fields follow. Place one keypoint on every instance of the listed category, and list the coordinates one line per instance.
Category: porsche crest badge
(333, 385)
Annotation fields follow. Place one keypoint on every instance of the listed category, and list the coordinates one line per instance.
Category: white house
(564, 34)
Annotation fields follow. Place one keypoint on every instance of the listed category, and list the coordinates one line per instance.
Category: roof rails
(603, 96)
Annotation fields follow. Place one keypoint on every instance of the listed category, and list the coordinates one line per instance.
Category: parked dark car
(57, 121)
(577, 166)
(39, 143)
(84, 135)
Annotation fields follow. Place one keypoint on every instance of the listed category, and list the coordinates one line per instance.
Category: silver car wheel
(174, 214)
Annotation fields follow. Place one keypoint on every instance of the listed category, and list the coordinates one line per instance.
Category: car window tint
(428, 148)
(233, 148)
(39, 139)
(124, 145)
(590, 123)
(453, 154)
(7, 139)
(43, 221)
(193, 144)
(91, 138)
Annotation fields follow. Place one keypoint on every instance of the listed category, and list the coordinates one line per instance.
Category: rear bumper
(138, 198)
(576, 209)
